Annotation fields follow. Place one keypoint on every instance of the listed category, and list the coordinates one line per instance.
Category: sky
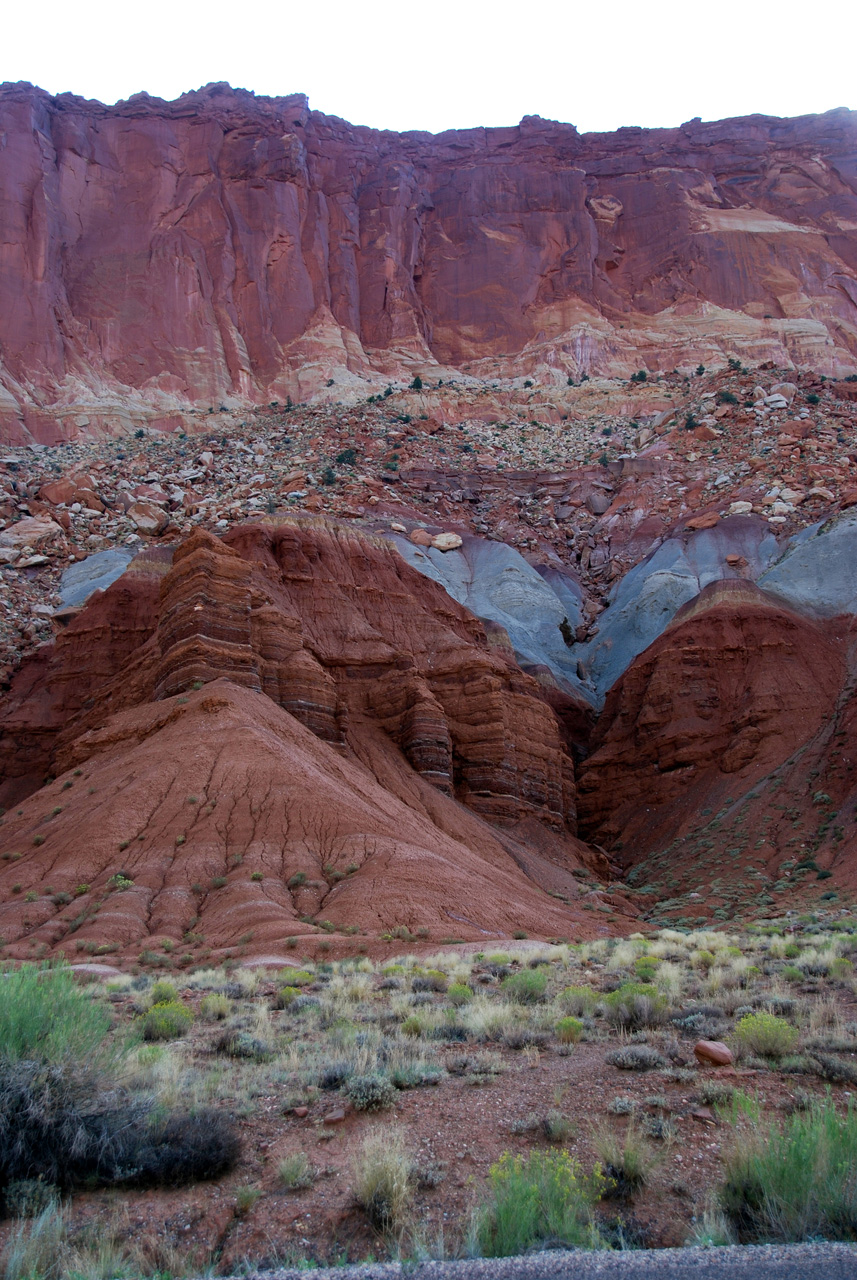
(441, 64)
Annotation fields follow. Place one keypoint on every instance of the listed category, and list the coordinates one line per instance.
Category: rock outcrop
(291, 702)
(163, 256)
(734, 686)
(722, 765)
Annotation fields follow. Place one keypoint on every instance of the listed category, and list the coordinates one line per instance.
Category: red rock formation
(156, 256)
(733, 688)
(385, 707)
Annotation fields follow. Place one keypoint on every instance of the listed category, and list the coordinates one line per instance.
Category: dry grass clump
(295, 1172)
(383, 1176)
(626, 1156)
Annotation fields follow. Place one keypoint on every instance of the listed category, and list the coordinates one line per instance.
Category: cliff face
(156, 256)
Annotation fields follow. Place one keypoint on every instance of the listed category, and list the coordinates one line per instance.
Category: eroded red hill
(283, 735)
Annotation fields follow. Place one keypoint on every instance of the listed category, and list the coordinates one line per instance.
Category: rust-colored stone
(228, 246)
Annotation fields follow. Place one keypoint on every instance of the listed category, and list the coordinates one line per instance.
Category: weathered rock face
(226, 247)
(322, 703)
(330, 625)
(724, 699)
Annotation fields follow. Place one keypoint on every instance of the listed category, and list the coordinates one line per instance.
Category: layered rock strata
(296, 712)
(157, 256)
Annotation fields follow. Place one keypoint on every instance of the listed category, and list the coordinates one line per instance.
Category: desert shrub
(636, 1057)
(625, 1155)
(334, 1073)
(28, 1197)
(62, 1117)
(578, 1001)
(286, 996)
(412, 1075)
(412, 1027)
(56, 1123)
(296, 1172)
(766, 1035)
(524, 1038)
(828, 1067)
(383, 1174)
(46, 1017)
(214, 1007)
(431, 980)
(542, 1198)
(527, 987)
(569, 1030)
(180, 1149)
(459, 993)
(301, 1003)
(636, 1004)
(237, 1042)
(796, 1180)
(370, 1092)
(300, 977)
(163, 992)
(554, 1126)
(166, 1021)
(60, 1123)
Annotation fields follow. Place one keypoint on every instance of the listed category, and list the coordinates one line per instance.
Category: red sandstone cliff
(223, 247)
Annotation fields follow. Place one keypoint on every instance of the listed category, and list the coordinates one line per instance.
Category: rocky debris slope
(289, 730)
(574, 481)
(228, 249)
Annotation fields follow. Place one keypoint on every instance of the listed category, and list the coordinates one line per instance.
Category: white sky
(444, 64)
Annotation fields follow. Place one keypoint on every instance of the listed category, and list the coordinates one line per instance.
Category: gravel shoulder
(763, 1262)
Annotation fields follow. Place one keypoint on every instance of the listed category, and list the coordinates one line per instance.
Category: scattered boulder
(148, 518)
(33, 533)
(713, 1052)
(446, 541)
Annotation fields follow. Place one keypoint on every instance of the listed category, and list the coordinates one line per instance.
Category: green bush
(539, 1199)
(577, 1000)
(162, 992)
(300, 977)
(796, 1180)
(765, 1035)
(528, 987)
(459, 993)
(636, 1004)
(569, 1030)
(47, 1017)
(167, 1021)
(28, 1197)
(63, 1117)
(286, 996)
(214, 1007)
